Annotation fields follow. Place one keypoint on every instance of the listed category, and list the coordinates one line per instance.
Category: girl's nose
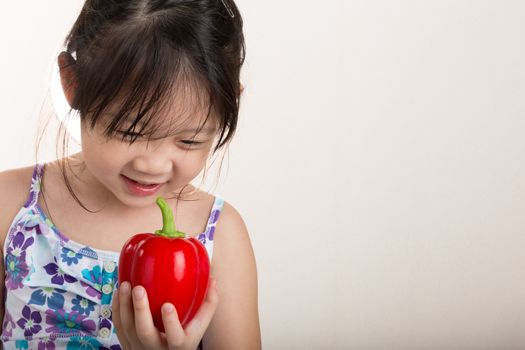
(154, 165)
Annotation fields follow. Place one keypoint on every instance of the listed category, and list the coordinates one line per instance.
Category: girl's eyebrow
(207, 130)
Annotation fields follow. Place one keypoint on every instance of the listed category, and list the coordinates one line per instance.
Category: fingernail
(138, 292)
(167, 308)
(124, 288)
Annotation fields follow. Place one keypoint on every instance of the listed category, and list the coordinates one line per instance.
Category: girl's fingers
(115, 307)
(175, 335)
(127, 318)
(146, 331)
(133, 319)
(198, 325)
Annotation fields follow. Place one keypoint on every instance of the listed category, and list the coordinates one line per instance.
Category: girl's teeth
(143, 184)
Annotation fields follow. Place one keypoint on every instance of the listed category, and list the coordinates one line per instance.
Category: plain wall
(379, 164)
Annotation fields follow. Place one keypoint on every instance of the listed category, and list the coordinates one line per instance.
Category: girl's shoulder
(15, 185)
(235, 268)
(232, 237)
(232, 219)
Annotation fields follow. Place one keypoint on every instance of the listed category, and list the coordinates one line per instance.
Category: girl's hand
(135, 328)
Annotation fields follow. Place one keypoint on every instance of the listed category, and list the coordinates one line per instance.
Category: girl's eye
(191, 143)
(134, 135)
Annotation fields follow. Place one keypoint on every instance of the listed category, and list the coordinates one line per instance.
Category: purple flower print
(54, 297)
(30, 321)
(18, 228)
(105, 323)
(35, 184)
(16, 266)
(91, 291)
(19, 244)
(82, 305)
(16, 271)
(214, 216)
(64, 322)
(46, 344)
(8, 324)
(59, 276)
(95, 277)
(69, 256)
(211, 233)
(31, 223)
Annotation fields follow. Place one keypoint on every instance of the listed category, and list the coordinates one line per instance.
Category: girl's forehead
(184, 109)
(173, 123)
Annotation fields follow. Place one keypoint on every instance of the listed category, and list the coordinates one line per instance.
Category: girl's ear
(241, 88)
(68, 76)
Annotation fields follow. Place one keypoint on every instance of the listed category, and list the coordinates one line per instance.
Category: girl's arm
(235, 324)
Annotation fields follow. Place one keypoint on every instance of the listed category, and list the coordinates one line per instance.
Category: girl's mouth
(140, 189)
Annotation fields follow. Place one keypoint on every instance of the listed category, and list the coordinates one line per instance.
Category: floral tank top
(58, 292)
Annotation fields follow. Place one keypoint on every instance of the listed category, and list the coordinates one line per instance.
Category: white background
(379, 164)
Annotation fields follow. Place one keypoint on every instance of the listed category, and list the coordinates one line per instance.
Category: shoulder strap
(214, 216)
(34, 189)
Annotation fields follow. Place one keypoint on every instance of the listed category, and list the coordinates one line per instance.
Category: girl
(156, 86)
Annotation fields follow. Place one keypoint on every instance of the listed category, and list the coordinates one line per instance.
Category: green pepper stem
(168, 225)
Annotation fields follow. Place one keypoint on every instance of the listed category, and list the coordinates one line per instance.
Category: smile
(141, 189)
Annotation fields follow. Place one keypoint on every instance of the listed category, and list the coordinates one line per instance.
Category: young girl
(156, 86)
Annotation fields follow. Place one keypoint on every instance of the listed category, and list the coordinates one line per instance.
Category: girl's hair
(145, 54)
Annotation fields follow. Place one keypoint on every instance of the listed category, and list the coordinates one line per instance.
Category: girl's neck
(91, 192)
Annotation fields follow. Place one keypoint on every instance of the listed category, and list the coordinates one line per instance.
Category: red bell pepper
(170, 266)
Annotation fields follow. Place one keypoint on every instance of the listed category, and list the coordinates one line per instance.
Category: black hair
(150, 52)
(154, 46)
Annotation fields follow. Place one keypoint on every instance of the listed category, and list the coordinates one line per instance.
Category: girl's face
(172, 162)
